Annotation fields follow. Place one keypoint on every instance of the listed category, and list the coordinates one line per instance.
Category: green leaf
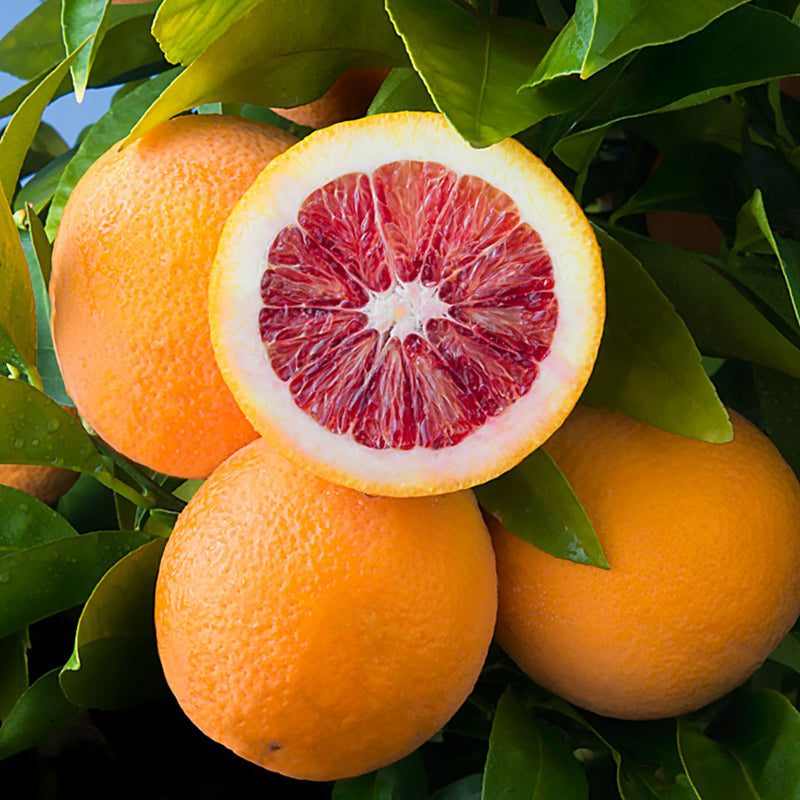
(39, 431)
(113, 126)
(697, 177)
(39, 190)
(788, 652)
(754, 231)
(534, 501)
(403, 780)
(40, 581)
(27, 522)
(185, 28)
(722, 321)
(40, 711)
(115, 663)
(403, 90)
(473, 65)
(603, 31)
(13, 670)
(22, 127)
(17, 309)
(648, 365)
(779, 399)
(466, 788)
(527, 760)
(282, 53)
(761, 729)
(712, 770)
(34, 45)
(700, 68)
(81, 19)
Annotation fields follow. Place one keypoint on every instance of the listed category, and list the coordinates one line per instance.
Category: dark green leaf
(403, 90)
(467, 788)
(89, 506)
(534, 501)
(39, 712)
(185, 28)
(281, 54)
(648, 365)
(788, 652)
(527, 760)
(47, 145)
(698, 177)
(115, 663)
(779, 399)
(39, 431)
(722, 321)
(603, 31)
(114, 125)
(40, 581)
(26, 522)
(712, 770)
(13, 670)
(403, 780)
(762, 731)
(473, 65)
(17, 309)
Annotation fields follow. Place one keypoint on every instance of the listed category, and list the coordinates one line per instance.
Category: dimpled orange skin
(129, 290)
(703, 541)
(315, 630)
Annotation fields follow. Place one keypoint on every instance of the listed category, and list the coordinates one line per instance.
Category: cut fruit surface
(402, 313)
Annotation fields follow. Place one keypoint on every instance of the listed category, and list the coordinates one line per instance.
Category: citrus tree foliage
(644, 110)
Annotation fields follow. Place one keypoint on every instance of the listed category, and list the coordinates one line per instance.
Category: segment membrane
(408, 306)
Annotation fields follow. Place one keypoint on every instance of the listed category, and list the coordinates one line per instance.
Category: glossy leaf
(603, 31)
(114, 663)
(40, 711)
(185, 28)
(534, 501)
(17, 310)
(13, 670)
(40, 581)
(527, 760)
(722, 321)
(39, 431)
(403, 780)
(473, 66)
(113, 126)
(81, 19)
(700, 67)
(281, 54)
(27, 522)
(403, 90)
(648, 365)
(761, 729)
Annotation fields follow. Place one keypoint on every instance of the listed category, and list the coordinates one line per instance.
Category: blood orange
(404, 314)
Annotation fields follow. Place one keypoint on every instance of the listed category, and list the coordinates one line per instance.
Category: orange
(703, 541)
(401, 313)
(348, 98)
(129, 290)
(314, 630)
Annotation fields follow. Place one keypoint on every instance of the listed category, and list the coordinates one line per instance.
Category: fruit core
(407, 306)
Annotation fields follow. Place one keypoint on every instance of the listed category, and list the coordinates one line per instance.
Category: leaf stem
(143, 500)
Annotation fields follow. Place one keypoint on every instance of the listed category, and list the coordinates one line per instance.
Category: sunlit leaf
(403, 90)
(534, 501)
(281, 54)
(527, 760)
(40, 711)
(37, 582)
(648, 365)
(603, 31)
(35, 44)
(114, 663)
(185, 28)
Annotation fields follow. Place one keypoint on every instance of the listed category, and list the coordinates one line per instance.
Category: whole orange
(703, 542)
(318, 631)
(129, 285)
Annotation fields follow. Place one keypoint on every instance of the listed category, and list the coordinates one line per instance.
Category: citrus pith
(703, 542)
(313, 630)
(129, 290)
(402, 313)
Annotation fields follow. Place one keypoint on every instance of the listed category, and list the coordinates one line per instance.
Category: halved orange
(404, 314)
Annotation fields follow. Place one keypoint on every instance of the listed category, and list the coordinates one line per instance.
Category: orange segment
(402, 313)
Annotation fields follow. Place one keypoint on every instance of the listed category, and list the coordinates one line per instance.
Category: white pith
(272, 204)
